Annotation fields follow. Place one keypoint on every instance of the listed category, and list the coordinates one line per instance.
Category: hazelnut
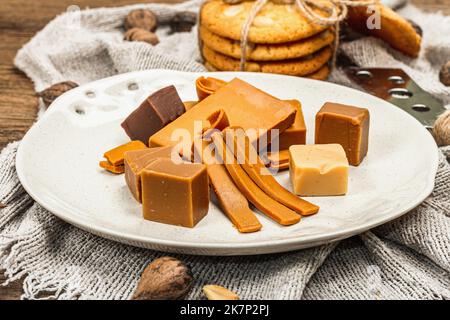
(141, 18)
(444, 74)
(183, 22)
(51, 93)
(137, 34)
(166, 278)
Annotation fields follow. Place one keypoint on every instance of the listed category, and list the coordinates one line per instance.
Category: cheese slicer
(396, 87)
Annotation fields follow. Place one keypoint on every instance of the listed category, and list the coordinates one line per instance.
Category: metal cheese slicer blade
(395, 86)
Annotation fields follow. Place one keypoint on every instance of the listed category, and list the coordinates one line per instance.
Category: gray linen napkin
(408, 258)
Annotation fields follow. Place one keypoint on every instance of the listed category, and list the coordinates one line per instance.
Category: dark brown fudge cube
(159, 109)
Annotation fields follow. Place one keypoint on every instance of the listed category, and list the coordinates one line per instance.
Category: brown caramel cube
(136, 161)
(345, 125)
(175, 194)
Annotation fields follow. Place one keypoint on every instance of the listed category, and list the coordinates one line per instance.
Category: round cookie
(267, 52)
(209, 67)
(296, 67)
(394, 29)
(275, 23)
(321, 74)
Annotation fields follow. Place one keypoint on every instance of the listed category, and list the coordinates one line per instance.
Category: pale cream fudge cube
(318, 170)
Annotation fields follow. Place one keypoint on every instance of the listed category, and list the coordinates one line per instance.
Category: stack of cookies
(281, 40)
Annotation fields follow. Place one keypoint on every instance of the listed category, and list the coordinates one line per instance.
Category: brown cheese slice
(231, 200)
(113, 169)
(295, 134)
(115, 155)
(273, 209)
(244, 105)
(207, 86)
(256, 170)
(280, 166)
(278, 158)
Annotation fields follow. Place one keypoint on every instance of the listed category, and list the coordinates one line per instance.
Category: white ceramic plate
(57, 163)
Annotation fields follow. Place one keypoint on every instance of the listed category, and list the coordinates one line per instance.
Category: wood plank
(433, 5)
(12, 292)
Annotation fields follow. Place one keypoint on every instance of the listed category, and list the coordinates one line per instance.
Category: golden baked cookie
(295, 67)
(321, 74)
(209, 67)
(395, 30)
(275, 23)
(267, 52)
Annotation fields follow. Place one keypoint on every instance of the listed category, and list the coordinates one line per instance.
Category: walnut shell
(141, 18)
(441, 130)
(166, 278)
(51, 93)
(444, 74)
(137, 34)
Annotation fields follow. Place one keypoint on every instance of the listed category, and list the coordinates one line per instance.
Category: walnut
(444, 74)
(183, 22)
(51, 93)
(137, 34)
(441, 130)
(166, 278)
(141, 18)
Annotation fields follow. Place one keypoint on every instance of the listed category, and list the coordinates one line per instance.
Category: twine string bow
(336, 11)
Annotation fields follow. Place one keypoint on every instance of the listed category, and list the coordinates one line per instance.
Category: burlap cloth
(406, 259)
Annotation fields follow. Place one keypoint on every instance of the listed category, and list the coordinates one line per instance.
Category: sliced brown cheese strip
(279, 166)
(245, 106)
(256, 170)
(273, 209)
(207, 86)
(116, 156)
(279, 160)
(111, 168)
(231, 200)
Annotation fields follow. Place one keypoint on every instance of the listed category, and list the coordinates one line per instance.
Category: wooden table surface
(19, 21)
